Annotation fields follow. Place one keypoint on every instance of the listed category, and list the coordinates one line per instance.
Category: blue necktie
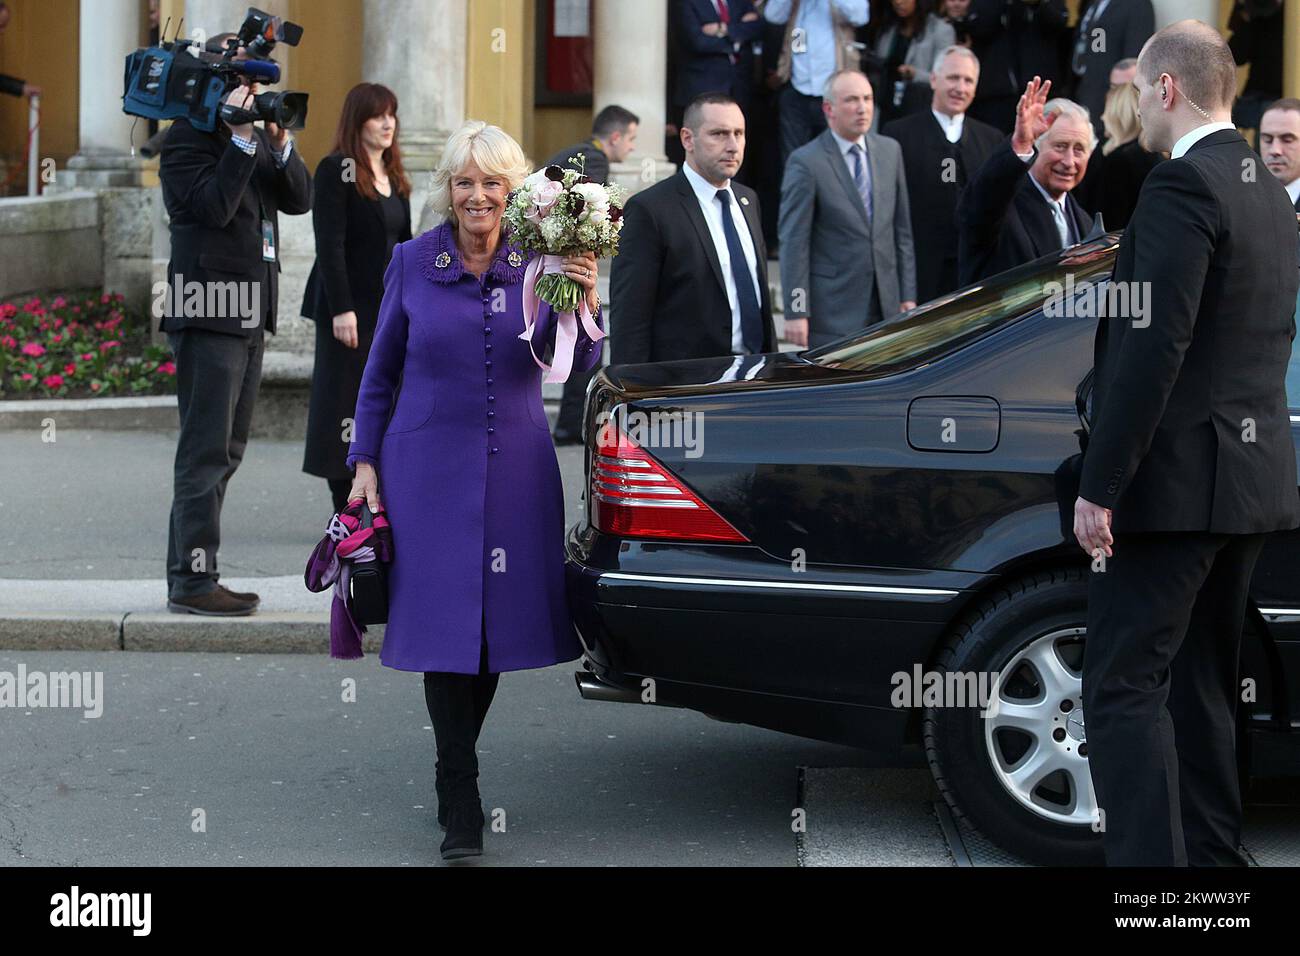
(862, 179)
(751, 316)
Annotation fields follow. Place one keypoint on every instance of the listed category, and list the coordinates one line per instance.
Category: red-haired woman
(360, 211)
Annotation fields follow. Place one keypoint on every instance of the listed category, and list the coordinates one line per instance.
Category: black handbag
(368, 585)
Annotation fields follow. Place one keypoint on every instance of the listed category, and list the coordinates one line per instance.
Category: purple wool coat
(467, 471)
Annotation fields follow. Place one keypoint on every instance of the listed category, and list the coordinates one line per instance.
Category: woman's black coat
(348, 276)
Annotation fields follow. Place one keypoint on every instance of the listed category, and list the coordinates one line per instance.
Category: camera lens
(286, 109)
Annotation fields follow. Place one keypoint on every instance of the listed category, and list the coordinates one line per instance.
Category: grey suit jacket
(830, 261)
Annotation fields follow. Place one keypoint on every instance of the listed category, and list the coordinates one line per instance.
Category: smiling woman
(470, 481)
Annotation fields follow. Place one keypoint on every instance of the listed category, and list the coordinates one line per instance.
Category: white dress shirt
(707, 195)
(1195, 136)
(951, 125)
(847, 144)
(1293, 190)
(1060, 211)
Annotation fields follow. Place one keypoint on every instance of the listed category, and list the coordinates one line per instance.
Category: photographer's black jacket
(11, 85)
(216, 196)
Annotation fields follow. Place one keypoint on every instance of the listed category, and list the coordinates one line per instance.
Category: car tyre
(986, 771)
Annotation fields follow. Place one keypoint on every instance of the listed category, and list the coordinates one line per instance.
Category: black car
(799, 541)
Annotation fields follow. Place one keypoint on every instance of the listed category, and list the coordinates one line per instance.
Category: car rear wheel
(1018, 770)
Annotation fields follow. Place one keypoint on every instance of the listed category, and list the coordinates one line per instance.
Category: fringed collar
(440, 260)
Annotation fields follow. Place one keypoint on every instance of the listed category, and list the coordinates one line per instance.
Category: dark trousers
(339, 488)
(1160, 696)
(217, 376)
(575, 396)
(802, 120)
(458, 704)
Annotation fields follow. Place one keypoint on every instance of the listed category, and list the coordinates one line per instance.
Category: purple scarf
(345, 545)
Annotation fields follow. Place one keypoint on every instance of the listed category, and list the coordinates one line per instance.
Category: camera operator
(223, 191)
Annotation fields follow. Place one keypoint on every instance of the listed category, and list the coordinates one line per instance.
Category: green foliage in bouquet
(561, 212)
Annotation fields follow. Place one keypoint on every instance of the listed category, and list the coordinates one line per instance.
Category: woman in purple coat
(461, 457)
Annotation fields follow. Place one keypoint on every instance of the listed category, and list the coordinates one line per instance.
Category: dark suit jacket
(937, 171)
(351, 249)
(1127, 24)
(216, 196)
(1174, 401)
(11, 85)
(1113, 183)
(352, 254)
(595, 164)
(668, 297)
(704, 62)
(1003, 219)
(1015, 42)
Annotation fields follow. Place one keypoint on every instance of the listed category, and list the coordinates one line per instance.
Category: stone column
(417, 48)
(631, 64)
(109, 30)
(1171, 11)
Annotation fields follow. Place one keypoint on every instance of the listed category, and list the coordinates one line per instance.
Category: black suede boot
(465, 823)
(443, 804)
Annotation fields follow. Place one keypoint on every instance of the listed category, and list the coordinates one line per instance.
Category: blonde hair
(1120, 118)
(490, 148)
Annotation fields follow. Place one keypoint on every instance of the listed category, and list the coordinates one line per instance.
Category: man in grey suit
(847, 258)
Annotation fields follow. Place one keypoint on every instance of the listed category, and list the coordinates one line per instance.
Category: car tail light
(634, 496)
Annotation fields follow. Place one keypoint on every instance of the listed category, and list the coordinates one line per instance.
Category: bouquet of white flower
(560, 212)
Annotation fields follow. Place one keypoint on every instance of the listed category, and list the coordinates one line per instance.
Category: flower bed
(61, 348)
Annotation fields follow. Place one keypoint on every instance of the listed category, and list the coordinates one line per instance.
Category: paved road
(288, 774)
(94, 504)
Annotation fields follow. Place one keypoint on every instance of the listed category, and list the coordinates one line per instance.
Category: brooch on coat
(443, 260)
(515, 259)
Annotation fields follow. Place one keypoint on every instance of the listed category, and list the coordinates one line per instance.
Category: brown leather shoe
(246, 596)
(216, 603)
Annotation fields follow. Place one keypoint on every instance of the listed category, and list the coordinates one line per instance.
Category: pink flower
(94, 386)
(87, 356)
(105, 346)
(105, 299)
(8, 310)
(27, 376)
(52, 381)
(57, 338)
(69, 369)
(9, 342)
(58, 303)
(544, 197)
(167, 368)
(34, 349)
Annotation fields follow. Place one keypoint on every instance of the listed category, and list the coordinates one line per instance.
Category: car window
(950, 322)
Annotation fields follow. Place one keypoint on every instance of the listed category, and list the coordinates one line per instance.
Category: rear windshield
(950, 322)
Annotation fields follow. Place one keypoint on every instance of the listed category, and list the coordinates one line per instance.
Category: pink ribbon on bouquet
(566, 332)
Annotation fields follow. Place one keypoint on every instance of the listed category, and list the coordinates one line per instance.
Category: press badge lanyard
(268, 231)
